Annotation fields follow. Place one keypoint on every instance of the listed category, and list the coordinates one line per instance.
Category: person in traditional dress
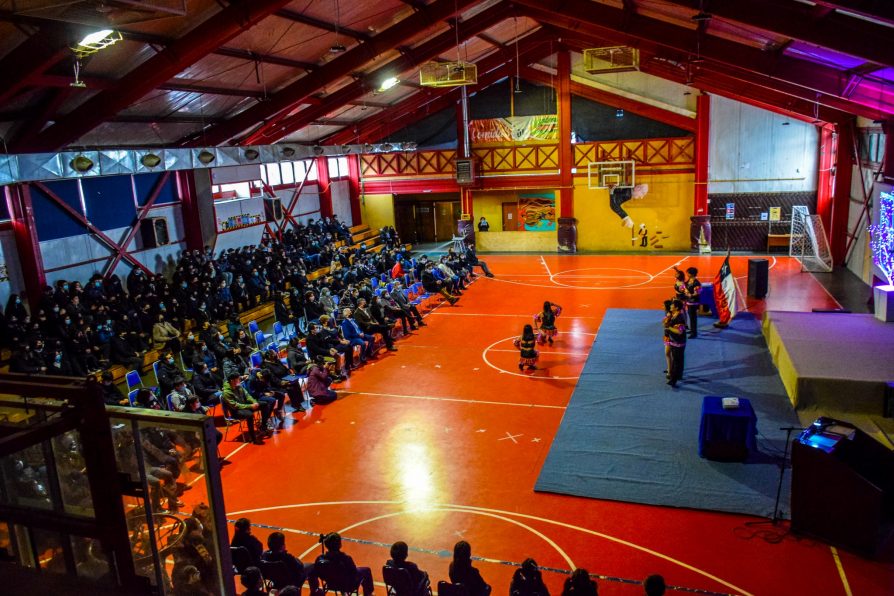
(545, 322)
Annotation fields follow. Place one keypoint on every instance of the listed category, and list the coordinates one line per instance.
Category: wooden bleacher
(261, 313)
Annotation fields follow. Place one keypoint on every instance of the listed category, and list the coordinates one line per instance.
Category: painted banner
(515, 128)
(537, 211)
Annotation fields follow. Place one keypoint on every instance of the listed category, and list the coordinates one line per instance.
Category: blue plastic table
(727, 434)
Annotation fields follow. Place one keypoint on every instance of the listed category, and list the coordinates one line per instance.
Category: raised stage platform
(832, 362)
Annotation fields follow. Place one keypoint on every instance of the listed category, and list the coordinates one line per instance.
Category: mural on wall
(4, 272)
(514, 129)
(537, 211)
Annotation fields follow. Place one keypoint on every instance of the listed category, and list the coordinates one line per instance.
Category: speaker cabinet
(758, 277)
(154, 232)
(273, 209)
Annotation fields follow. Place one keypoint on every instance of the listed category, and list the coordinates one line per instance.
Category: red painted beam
(43, 50)
(702, 151)
(354, 185)
(18, 200)
(601, 22)
(189, 208)
(187, 50)
(420, 105)
(625, 103)
(566, 151)
(825, 178)
(325, 186)
(428, 50)
(838, 32)
(292, 95)
(844, 161)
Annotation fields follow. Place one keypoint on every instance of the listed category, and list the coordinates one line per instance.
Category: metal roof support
(293, 94)
(837, 32)
(211, 34)
(100, 235)
(30, 59)
(18, 199)
(566, 150)
(878, 9)
(142, 212)
(437, 45)
(418, 106)
(608, 98)
(599, 21)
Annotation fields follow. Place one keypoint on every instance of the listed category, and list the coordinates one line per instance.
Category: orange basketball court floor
(443, 441)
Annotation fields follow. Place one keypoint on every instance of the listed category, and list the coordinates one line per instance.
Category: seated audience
(418, 578)
(528, 581)
(253, 582)
(654, 585)
(342, 567)
(242, 536)
(462, 572)
(580, 584)
(276, 552)
(242, 405)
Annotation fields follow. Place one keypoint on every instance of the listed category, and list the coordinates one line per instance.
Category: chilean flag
(725, 293)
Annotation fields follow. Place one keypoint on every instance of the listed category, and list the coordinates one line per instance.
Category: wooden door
(405, 222)
(425, 222)
(510, 217)
(445, 222)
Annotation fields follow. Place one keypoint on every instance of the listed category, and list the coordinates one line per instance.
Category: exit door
(510, 217)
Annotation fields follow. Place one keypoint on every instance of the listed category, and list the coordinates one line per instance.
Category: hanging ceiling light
(337, 47)
(388, 83)
(96, 41)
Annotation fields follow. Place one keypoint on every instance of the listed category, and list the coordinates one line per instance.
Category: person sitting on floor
(318, 381)
(418, 578)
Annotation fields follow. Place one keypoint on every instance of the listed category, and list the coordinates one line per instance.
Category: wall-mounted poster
(4, 272)
(515, 128)
(537, 211)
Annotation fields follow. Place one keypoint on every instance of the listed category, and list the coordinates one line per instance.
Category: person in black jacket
(167, 372)
(435, 286)
(418, 578)
(207, 384)
(580, 584)
(243, 537)
(328, 346)
(462, 572)
(528, 581)
(122, 352)
(111, 395)
(276, 552)
(342, 566)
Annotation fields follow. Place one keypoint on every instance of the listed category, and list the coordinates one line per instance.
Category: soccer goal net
(809, 243)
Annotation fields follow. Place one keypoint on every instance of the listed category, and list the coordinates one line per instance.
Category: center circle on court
(614, 278)
(529, 376)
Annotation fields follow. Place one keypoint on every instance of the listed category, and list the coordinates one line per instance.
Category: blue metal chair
(388, 287)
(132, 397)
(133, 379)
(155, 370)
(253, 329)
(375, 282)
(169, 401)
(255, 359)
(261, 340)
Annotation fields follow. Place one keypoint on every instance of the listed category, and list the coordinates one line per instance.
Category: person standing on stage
(675, 341)
(693, 299)
(545, 322)
(527, 344)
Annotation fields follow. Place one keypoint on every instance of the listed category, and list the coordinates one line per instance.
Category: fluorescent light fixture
(95, 37)
(96, 41)
(388, 83)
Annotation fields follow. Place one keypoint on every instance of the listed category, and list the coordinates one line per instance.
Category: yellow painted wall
(515, 241)
(489, 204)
(665, 210)
(378, 210)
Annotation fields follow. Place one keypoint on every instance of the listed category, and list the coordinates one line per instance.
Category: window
(288, 174)
(872, 147)
(343, 171)
(333, 168)
(274, 178)
(242, 189)
(300, 170)
(312, 176)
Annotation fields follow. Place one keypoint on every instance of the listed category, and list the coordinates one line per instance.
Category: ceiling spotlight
(96, 41)
(288, 151)
(388, 83)
(251, 154)
(701, 16)
(346, 149)
(367, 148)
(337, 48)
(318, 150)
(205, 157)
(386, 147)
(408, 146)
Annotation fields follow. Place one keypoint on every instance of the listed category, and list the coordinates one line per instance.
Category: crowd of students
(285, 574)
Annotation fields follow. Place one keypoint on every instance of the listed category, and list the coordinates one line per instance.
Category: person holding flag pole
(725, 294)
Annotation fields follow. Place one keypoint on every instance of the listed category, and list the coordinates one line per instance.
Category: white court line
(542, 353)
(234, 452)
(486, 314)
(454, 399)
(542, 260)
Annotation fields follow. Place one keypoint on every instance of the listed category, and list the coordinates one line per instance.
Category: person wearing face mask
(207, 384)
(167, 372)
(165, 336)
(242, 405)
(28, 361)
(111, 395)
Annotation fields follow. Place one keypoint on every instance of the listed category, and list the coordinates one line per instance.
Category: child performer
(527, 344)
(675, 342)
(546, 322)
(693, 299)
